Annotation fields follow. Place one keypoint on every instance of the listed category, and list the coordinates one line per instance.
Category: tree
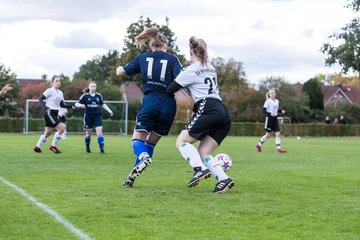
(313, 90)
(230, 75)
(130, 50)
(100, 68)
(345, 46)
(8, 104)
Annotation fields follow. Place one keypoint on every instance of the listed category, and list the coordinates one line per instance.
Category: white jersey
(200, 80)
(62, 112)
(53, 98)
(272, 106)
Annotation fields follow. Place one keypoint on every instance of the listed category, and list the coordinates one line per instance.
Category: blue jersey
(92, 103)
(158, 69)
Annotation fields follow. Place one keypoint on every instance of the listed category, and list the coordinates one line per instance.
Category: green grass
(311, 192)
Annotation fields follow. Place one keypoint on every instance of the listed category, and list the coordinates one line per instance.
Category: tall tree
(345, 46)
(231, 75)
(130, 50)
(313, 90)
(100, 69)
(8, 104)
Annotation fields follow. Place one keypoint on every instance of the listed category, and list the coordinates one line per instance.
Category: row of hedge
(16, 125)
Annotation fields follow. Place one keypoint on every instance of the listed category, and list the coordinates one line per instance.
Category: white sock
(215, 168)
(64, 135)
(56, 139)
(41, 141)
(262, 140)
(191, 154)
(277, 142)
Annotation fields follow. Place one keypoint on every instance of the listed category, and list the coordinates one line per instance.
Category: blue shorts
(157, 113)
(92, 121)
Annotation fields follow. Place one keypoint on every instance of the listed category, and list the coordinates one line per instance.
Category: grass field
(311, 192)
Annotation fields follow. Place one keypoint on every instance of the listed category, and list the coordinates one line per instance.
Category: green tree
(8, 104)
(230, 75)
(100, 69)
(130, 50)
(313, 89)
(345, 46)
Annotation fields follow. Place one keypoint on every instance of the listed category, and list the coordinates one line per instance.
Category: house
(340, 94)
(30, 82)
(131, 92)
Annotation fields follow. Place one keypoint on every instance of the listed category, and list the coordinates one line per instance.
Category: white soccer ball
(224, 161)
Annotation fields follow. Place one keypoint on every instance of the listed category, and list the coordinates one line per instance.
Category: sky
(278, 38)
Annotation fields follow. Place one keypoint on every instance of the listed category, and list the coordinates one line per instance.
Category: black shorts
(92, 121)
(210, 117)
(157, 113)
(271, 124)
(51, 118)
(62, 119)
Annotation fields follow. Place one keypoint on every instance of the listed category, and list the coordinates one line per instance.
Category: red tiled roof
(28, 82)
(350, 93)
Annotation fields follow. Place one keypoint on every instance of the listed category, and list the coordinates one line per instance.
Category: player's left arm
(173, 88)
(106, 107)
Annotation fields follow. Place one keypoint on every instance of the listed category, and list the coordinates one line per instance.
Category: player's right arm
(80, 102)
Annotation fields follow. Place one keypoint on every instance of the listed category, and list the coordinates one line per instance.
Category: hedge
(237, 129)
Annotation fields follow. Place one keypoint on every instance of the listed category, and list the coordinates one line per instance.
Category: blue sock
(150, 149)
(138, 147)
(101, 142)
(87, 142)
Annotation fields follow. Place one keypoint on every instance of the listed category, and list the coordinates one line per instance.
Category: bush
(237, 128)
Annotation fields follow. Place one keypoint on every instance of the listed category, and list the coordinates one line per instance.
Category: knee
(178, 144)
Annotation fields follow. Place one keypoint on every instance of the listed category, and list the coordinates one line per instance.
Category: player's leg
(210, 143)
(88, 126)
(42, 139)
(276, 129)
(150, 142)
(100, 138)
(184, 143)
(142, 157)
(278, 142)
(58, 135)
(97, 124)
(63, 120)
(262, 140)
(88, 140)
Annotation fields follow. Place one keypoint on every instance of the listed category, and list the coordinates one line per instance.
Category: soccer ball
(224, 161)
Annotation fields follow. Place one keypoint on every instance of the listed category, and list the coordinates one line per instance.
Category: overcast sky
(271, 37)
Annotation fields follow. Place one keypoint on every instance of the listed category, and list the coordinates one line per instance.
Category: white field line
(48, 210)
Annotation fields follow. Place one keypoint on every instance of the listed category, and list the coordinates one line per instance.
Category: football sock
(56, 139)
(140, 149)
(64, 134)
(41, 141)
(215, 168)
(150, 149)
(277, 142)
(262, 140)
(87, 142)
(191, 154)
(101, 142)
